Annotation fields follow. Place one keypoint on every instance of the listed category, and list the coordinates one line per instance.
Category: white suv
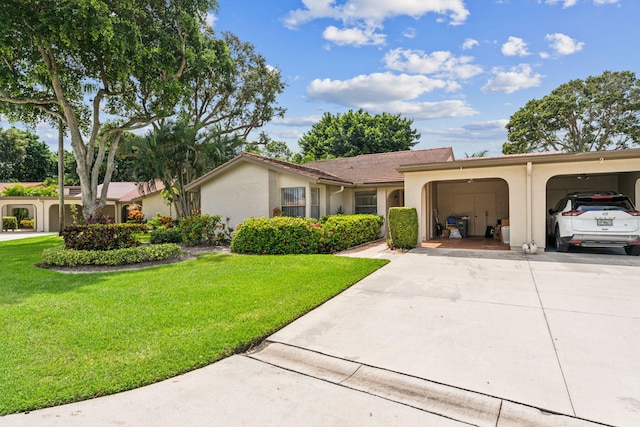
(598, 219)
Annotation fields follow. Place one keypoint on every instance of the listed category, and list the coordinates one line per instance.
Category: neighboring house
(45, 210)
(518, 188)
(251, 185)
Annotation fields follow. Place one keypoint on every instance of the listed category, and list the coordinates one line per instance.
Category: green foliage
(101, 237)
(24, 158)
(340, 232)
(19, 190)
(26, 223)
(79, 62)
(165, 235)
(355, 133)
(403, 227)
(289, 235)
(160, 221)
(269, 148)
(203, 230)
(62, 257)
(9, 223)
(278, 235)
(102, 333)
(598, 113)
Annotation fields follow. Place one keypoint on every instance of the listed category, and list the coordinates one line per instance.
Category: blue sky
(458, 68)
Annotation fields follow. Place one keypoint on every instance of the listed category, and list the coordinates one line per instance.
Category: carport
(520, 188)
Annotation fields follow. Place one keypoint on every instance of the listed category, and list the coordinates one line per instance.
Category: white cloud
(387, 92)
(373, 88)
(515, 46)
(565, 3)
(601, 2)
(409, 33)
(211, 19)
(469, 44)
(440, 63)
(424, 110)
(375, 11)
(490, 130)
(517, 78)
(296, 121)
(353, 36)
(563, 44)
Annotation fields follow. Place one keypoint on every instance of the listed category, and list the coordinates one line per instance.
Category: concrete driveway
(438, 338)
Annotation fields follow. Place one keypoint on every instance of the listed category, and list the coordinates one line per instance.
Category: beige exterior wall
(528, 195)
(154, 204)
(239, 193)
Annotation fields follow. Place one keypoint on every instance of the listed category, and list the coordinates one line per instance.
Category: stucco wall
(154, 204)
(239, 193)
(528, 198)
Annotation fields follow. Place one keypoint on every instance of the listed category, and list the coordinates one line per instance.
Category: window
(293, 201)
(366, 202)
(315, 203)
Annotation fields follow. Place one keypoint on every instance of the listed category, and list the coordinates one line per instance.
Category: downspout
(529, 201)
(339, 191)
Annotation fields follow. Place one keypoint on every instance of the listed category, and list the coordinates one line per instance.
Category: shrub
(165, 235)
(62, 257)
(26, 223)
(9, 223)
(160, 221)
(278, 235)
(340, 232)
(101, 237)
(403, 227)
(135, 215)
(203, 230)
(288, 235)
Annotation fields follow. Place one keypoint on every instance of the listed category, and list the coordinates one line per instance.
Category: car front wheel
(560, 246)
(632, 250)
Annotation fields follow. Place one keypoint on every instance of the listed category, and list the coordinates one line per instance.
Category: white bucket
(504, 231)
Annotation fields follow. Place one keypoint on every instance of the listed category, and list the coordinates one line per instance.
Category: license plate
(608, 222)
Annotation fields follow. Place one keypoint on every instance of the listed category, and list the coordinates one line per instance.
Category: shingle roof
(380, 168)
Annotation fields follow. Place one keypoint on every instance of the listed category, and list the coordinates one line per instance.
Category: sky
(459, 69)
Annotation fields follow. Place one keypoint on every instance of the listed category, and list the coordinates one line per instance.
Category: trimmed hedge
(278, 235)
(61, 257)
(403, 227)
(101, 237)
(9, 223)
(203, 230)
(165, 235)
(288, 235)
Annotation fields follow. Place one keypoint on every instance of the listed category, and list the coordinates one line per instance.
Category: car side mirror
(552, 211)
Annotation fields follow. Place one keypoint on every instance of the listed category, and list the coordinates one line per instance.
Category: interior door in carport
(481, 209)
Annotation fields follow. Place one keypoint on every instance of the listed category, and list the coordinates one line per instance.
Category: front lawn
(68, 337)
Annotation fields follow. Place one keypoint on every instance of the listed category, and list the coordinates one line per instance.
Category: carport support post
(60, 178)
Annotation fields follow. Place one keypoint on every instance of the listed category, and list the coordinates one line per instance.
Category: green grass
(68, 337)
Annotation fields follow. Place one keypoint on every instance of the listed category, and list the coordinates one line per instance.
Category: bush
(159, 221)
(9, 223)
(278, 235)
(135, 215)
(165, 235)
(203, 230)
(340, 232)
(101, 237)
(403, 227)
(26, 223)
(62, 257)
(288, 235)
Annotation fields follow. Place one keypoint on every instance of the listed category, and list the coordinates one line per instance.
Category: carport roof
(521, 159)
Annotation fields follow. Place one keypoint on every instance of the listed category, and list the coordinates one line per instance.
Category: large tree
(23, 157)
(225, 102)
(598, 113)
(177, 153)
(101, 67)
(355, 133)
